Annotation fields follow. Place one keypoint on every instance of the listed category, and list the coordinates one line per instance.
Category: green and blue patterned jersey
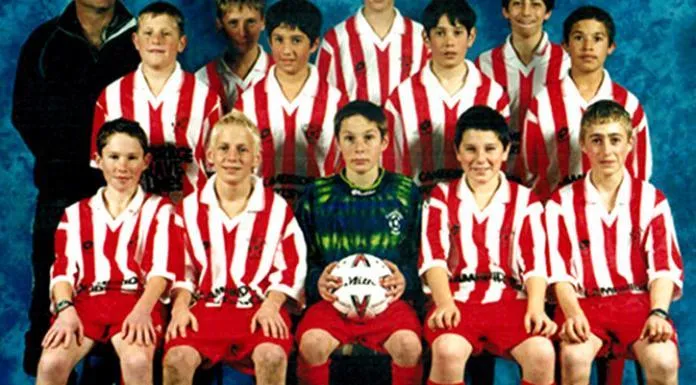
(339, 219)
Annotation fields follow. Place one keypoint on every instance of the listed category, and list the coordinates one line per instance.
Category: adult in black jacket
(62, 68)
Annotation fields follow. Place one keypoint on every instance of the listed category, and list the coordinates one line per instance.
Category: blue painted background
(656, 59)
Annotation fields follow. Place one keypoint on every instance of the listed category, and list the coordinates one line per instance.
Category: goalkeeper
(362, 209)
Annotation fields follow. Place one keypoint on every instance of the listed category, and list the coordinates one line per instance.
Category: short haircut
(238, 119)
(300, 14)
(223, 6)
(121, 126)
(589, 12)
(605, 112)
(457, 11)
(164, 8)
(482, 118)
(549, 4)
(368, 110)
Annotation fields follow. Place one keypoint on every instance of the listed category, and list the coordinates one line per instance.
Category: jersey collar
(501, 196)
(605, 91)
(623, 197)
(256, 201)
(362, 191)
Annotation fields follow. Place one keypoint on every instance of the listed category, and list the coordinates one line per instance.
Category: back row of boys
(427, 88)
(420, 77)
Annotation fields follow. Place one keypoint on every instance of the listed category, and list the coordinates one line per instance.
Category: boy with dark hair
(424, 108)
(244, 62)
(614, 258)
(524, 63)
(175, 110)
(362, 209)
(293, 106)
(370, 53)
(483, 261)
(551, 151)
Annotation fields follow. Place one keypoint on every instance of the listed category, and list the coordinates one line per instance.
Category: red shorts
(371, 333)
(224, 335)
(102, 315)
(617, 320)
(495, 327)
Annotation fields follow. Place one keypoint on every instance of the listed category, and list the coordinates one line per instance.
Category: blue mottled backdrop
(656, 59)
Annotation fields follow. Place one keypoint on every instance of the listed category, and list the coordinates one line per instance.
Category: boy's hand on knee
(181, 319)
(657, 329)
(576, 329)
(538, 323)
(65, 327)
(446, 316)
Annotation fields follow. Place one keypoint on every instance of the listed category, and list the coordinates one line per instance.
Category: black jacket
(59, 78)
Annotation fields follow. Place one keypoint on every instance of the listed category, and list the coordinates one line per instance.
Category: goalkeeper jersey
(339, 219)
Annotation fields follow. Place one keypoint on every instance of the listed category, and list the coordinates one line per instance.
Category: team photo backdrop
(655, 59)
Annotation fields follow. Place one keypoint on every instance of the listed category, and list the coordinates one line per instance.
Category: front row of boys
(234, 257)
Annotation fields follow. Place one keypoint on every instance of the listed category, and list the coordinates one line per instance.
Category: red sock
(312, 375)
(531, 383)
(407, 376)
(431, 382)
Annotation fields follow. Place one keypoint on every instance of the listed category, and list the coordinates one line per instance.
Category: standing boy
(524, 63)
(175, 110)
(551, 150)
(244, 62)
(370, 53)
(293, 106)
(425, 107)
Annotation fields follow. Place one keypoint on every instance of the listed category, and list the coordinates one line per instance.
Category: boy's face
(481, 155)
(291, 49)
(607, 145)
(449, 43)
(361, 144)
(242, 25)
(378, 5)
(232, 154)
(588, 46)
(122, 162)
(526, 17)
(96, 4)
(158, 40)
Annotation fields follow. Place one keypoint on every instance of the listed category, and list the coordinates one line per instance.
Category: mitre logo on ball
(361, 294)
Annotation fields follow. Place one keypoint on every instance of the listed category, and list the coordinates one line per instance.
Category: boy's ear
(315, 45)
(611, 48)
(218, 24)
(182, 43)
(134, 38)
(148, 159)
(472, 36)
(426, 39)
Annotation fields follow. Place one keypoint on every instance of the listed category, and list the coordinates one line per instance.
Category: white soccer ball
(361, 295)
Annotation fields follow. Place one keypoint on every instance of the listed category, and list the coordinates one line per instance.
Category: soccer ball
(361, 294)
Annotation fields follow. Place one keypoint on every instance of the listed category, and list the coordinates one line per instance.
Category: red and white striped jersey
(549, 63)
(239, 260)
(297, 137)
(354, 59)
(488, 254)
(96, 252)
(218, 76)
(181, 115)
(551, 152)
(605, 253)
(422, 119)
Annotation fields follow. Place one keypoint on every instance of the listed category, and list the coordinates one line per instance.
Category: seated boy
(112, 266)
(425, 107)
(615, 261)
(551, 151)
(242, 259)
(293, 106)
(483, 261)
(175, 110)
(363, 209)
(370, 53)
(244, 62)
(524, 63)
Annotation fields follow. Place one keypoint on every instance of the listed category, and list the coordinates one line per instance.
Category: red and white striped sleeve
(157, 257)
(435, 234)
(289, 269)
(329, 61)
(182, 259)
(534, 156)
(560, 251)
(661, 247)
(100, 116)
(65, 268)
(531, 240)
